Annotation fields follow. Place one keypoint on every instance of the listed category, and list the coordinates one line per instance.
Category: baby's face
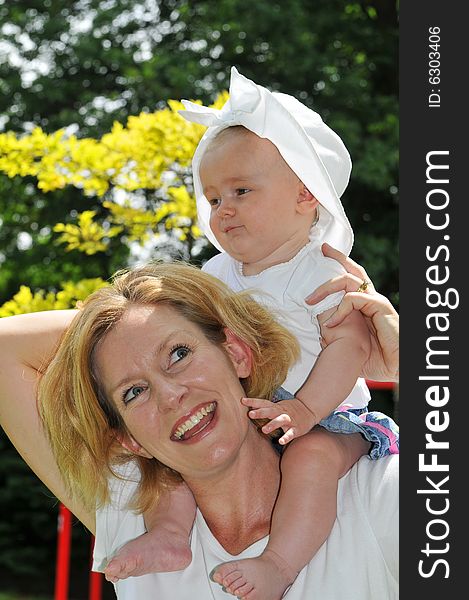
(253, 195)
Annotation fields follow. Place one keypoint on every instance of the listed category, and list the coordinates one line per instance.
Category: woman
(166, 346)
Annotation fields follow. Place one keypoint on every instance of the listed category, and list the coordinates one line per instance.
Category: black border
(425, 129)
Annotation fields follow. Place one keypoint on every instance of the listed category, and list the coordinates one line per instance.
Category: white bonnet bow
(312, 150)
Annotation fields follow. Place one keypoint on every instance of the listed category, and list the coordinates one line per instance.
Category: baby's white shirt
(282, 289)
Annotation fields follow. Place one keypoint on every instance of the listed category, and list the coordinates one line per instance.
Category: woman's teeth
(194, 420)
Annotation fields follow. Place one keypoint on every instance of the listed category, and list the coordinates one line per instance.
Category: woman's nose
(170, 394)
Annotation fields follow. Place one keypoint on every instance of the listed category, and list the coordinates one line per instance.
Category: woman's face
(178, 394)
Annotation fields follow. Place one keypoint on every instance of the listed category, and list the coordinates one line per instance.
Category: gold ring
(364, 286)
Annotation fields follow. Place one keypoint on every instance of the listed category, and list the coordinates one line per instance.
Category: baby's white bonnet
(312, 150)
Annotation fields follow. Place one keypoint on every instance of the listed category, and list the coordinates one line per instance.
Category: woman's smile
(196, 424)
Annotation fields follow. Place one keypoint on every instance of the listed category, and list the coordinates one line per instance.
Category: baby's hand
(292, 416)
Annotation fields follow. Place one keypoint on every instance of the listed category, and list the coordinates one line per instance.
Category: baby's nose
(226, 207)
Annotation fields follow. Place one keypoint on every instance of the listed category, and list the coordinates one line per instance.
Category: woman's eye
(178, 354)
(133, 392)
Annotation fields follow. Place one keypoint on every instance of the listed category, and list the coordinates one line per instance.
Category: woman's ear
(239, 352)
(130, 443)
(306, 203)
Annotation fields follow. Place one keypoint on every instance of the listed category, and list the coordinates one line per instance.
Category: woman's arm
(26, 344)
(379, 313)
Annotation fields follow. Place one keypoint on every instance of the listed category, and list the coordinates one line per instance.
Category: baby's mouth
(231, 228)
(194, 424)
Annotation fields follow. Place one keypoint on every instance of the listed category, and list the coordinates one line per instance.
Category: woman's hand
(381, 318)
(292, 416)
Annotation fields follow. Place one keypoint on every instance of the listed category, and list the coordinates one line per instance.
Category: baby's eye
(133, 392)
(214, 201)
(177, 354)
(242, 191)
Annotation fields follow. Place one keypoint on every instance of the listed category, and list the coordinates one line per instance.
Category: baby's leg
(303, 517)
(165, 546)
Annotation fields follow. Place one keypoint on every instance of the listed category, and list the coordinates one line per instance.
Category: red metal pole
(96, 585)
(96, 580)
(380, 385)
(62, 569)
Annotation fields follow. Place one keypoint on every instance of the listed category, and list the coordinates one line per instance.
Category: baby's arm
(330, 381)
(338, 366)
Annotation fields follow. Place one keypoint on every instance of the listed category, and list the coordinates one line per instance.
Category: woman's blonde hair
(84, 426)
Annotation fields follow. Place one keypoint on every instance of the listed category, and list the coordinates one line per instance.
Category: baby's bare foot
(157, 551)
(263, 578)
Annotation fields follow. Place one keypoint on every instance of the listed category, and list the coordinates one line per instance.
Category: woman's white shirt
(359, 560)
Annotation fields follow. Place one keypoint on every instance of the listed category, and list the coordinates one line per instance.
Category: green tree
(89, 62)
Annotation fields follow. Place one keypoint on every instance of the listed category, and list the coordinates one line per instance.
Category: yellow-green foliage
(129, 158)
(150, 156)
(87, 236)
(26, 301)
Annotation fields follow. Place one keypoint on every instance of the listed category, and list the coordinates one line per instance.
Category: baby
(268, 174)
